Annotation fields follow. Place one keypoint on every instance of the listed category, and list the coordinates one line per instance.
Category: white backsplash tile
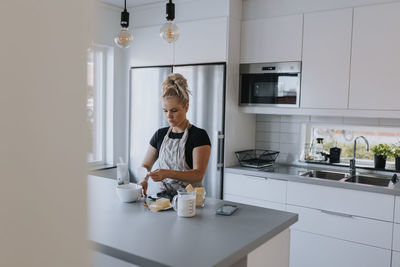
(326, 119)
(267, 137)
(290, 127)
(361, 121)
(269, 126)
(389, 122)
(289, 148)
(292, 118)
(268, 146)
(267, 117)
(289, 138)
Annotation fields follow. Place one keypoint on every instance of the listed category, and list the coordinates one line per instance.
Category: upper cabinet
(326, 59)
(374, 80)
(148, 49)
(202, 41)
(272, 40)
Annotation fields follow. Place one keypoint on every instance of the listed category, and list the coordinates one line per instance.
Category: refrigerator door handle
(220, 156)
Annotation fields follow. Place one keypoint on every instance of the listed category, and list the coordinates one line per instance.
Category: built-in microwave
(270, 84)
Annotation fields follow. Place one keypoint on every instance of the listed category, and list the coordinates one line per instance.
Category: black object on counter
(394, 178)
(334, 154)
(256, 158)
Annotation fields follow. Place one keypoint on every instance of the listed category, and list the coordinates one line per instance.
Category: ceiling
(131, 3)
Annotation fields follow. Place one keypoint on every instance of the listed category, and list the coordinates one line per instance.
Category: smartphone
(226, 209)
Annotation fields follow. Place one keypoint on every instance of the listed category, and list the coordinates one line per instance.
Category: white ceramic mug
(184, 203)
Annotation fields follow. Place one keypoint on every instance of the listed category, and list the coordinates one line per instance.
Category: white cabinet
(358, 203)
(396, 259)
(343, 226)
(397, 210)
(326, 59)
(272, 39)
(311, 250)
(396, 237)
(148, 49)
(256, 191)
(375, 58)
(255, 202)
(202, 41)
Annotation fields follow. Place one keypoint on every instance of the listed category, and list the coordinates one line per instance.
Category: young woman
(182, 149)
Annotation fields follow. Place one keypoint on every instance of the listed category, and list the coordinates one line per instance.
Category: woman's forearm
(190, 176)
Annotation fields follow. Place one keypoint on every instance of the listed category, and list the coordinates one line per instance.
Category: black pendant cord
(125, 17)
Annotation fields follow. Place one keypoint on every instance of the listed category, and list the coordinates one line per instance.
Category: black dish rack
(257, 158)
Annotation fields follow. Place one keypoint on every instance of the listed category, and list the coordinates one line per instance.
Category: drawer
(396, 259)
(396, 237)
(359, 203)
(351, 228)
(397, 210)
(255, 202)
(255, 187)
(311, 250)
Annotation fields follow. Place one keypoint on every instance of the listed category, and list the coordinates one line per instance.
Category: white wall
(257, 9)
(106, 24)
(43, 136)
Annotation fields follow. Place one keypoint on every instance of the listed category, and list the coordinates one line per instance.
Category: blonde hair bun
(176, 85)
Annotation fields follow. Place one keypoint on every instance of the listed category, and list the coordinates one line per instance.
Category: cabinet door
(148, 49)
(396, 259)
(375, 58)
(396, 237)
(202, 41)
(313, 250)
(342, 226)
(271, 40)
(397, 210)
(255, 202)
(255, 187)
(326, 59)
(353, 202)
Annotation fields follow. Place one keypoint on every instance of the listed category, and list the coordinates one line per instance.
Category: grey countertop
(291, 173)
(130, 232)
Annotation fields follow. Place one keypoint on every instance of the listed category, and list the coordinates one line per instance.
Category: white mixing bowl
(129, 192)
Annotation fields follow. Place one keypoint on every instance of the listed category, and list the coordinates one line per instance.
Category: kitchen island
(252, 236)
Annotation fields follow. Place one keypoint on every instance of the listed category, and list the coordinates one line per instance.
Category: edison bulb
(169, 32)
(124, 38)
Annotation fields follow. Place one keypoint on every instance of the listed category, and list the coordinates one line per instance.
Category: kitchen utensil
(184, 203)
(129, 192)
(256, 158)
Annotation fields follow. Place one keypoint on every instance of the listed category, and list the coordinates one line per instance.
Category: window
(98, 80)
(344, 135)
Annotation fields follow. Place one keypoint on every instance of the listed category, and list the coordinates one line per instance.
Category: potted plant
(396, 155)
(381, 152)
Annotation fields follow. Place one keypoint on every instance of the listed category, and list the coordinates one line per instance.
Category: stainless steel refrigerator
(206, 110)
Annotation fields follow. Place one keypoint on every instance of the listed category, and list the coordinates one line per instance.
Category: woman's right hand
(144, 185)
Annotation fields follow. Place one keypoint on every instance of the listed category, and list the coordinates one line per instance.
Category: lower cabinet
(396, 259)
(255, 202)
(256, 191)
(312, 250)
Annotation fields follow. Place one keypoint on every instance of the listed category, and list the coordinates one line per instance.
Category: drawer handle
(337, 213)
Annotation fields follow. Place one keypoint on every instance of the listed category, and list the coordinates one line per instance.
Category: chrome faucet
(353, 160)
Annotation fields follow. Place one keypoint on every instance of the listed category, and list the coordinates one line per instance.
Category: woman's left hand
(159, 174)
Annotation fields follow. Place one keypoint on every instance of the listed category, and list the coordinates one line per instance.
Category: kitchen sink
(329, 175)
(371, 180)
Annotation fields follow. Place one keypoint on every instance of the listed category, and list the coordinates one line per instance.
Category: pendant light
(124, 37)
(169, 31)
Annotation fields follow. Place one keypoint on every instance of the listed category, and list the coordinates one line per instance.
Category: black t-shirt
(196, 137)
